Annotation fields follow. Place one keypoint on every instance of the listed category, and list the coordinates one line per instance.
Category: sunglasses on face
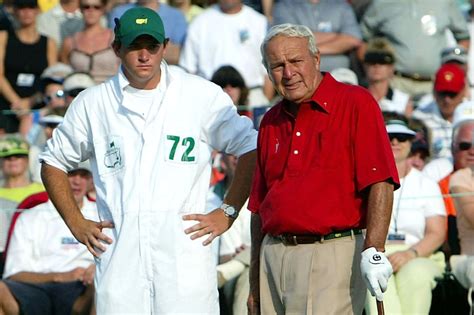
(90, 6)
(444, 94)
(58, 94)
(401, 137)
(464, 146)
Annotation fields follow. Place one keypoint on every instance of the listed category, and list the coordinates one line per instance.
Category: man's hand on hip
(376, 270)
(214, 223)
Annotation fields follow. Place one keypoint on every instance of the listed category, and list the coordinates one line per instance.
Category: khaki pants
(320, 278)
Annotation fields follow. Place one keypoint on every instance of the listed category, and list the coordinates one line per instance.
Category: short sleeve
(374, 161)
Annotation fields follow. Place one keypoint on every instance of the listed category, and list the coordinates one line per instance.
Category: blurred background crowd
(414, 56)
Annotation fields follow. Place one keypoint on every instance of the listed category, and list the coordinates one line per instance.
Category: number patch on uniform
(181, 149)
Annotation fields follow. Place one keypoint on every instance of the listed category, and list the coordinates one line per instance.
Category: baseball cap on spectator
(399, 127)
(25, 3)
(81, 166)
(454, 54)
(379, 51)
(463, 112)
(13, 146)
(345, 75)
(138, 21)
(56, 73)
(49, 120)
(450, 78)
(77, 82)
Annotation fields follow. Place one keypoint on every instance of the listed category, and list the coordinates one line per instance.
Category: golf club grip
(380, 310)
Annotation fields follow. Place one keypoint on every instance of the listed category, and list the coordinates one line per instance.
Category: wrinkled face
(293, 70)
(462, 153)
(401, 145)
(92, 11)
(15, 165)
(79, 181)
(141, 61)
(448, 101)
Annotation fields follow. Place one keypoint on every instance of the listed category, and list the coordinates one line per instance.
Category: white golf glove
(376, 270)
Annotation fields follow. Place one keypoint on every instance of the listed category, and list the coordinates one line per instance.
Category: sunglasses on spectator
(58, 94)
(401, 137)
(464, 146)
(91, 6)
(443, 94)
(74, 92)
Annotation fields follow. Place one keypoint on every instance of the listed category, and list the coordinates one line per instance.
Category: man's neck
(231, 9)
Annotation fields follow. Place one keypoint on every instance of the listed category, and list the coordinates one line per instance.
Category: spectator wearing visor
(417, 229)
(379, 66)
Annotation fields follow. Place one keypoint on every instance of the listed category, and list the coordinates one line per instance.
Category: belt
(290, 239)
(413, 76)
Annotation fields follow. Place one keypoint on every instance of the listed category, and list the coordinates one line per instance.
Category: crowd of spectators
(416, 58)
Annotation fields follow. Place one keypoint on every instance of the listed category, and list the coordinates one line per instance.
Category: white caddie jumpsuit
(148, 173)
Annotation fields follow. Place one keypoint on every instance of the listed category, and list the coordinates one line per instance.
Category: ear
(116, 47)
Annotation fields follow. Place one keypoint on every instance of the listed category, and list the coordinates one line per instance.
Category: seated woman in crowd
(90, 50)
(417, 230)
(379, 66)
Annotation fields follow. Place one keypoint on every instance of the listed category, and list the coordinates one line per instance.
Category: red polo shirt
(313, 170)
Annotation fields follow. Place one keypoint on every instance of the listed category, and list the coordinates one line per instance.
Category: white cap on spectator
(85, 165)
(57, 72)
(51, 119)
(463, 112)
(345, 75)
(78, 80)
(455, 53)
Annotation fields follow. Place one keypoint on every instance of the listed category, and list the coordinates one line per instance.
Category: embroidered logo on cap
(141, 21)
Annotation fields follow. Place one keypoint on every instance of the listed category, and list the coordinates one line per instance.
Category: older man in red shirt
(325, 171)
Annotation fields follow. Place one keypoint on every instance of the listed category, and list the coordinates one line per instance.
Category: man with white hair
(325, 171)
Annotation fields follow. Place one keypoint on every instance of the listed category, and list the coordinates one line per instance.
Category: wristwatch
(230, 211)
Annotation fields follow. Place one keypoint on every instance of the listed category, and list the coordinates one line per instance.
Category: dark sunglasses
(443, 94)
(58, 94)
(88, 6)
(464, 146)
(401, 137)
(74, 92)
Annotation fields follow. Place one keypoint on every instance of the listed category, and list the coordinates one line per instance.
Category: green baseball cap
(138, 21)
(13, 146)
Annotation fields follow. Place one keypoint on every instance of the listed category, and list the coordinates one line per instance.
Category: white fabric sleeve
(226, 130)
(70, 143)
(20, 256)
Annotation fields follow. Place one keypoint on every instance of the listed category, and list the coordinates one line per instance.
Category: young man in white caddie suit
(149, 133)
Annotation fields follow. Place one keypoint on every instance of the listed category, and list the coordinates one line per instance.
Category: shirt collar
(322, 96)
